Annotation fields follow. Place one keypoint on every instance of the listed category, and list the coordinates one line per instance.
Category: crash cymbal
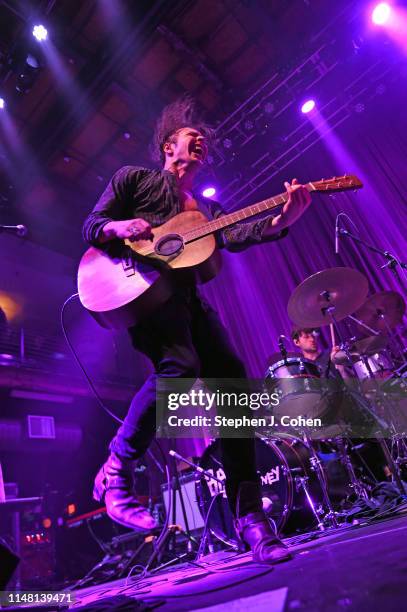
(342, 288)
(382, 310)
(370, 345)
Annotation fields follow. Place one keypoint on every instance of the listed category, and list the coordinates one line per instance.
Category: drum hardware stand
(394, 467)
(392, 262)
(359, 322)
(301, 482)
(316, 467)
(329, 310)
(399, 441)
(345, 347)
(355, 482)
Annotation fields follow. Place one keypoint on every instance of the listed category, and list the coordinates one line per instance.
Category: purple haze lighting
(40, 33)
(2, 103)
(308, 106)
(208, 192)
(381, 13)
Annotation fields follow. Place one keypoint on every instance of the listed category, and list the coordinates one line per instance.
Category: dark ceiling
(116, 64)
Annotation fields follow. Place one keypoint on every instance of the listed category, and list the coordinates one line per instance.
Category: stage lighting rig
(308, 106)
(40, 33)
(381, 14)
(27, 73)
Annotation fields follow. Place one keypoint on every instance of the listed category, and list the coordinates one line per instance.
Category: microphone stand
(392, 261)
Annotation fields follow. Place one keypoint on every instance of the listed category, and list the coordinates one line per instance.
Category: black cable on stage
(206, 526)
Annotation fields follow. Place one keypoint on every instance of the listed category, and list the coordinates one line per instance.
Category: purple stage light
(208, 192)
(2, 103)
(308, 106)
(40, 33)
(381, 13)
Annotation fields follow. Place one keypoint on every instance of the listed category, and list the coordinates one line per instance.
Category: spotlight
(227, 143)
(359, 107)
(308, 106)
(40, 33)
(208, 192)
(248, 125)
(2, 103)
(381, 13)
(269, 108)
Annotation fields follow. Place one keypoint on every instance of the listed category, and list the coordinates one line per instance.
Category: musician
(357, 409)
(307, 340)
(184, 338)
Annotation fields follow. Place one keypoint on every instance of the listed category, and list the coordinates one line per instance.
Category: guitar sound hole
(168, 245)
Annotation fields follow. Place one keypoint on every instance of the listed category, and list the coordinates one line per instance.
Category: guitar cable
(78, 361)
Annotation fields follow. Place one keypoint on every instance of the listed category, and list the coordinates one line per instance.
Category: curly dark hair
(181, 113)
(297, 331)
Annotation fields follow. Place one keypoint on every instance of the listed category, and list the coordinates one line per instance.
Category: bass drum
(279, 462)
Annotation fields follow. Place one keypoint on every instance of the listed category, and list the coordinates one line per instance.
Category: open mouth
(198, 150)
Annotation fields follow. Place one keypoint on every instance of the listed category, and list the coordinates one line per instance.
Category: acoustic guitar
(120, 289)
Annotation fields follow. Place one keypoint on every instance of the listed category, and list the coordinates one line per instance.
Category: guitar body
(120, 291)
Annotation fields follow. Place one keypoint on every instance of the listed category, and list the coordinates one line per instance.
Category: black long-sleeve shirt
(153, 195)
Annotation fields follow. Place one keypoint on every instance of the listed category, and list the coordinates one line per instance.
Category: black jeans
(185, 338)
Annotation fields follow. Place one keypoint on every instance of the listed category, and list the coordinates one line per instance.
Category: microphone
(337, 233)
(281, 346)
(175, 455)
(20, 230)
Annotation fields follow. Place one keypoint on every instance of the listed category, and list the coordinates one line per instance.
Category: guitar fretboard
(239, 215)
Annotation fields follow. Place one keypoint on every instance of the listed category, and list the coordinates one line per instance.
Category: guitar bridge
(128, 264)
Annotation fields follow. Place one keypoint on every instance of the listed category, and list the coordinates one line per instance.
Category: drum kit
(309, 483)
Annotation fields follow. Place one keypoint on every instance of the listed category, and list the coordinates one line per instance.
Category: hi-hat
(382, 311)
(366, 346)
(343, 288)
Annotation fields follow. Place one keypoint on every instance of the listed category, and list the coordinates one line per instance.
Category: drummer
(307, 340)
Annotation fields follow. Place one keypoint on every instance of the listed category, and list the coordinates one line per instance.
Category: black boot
(114, 485)
(254, 528)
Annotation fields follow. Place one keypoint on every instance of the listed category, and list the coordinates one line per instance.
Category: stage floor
(356, 568)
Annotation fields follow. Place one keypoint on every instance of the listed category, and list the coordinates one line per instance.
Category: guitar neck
(241, 215)
(337, 183)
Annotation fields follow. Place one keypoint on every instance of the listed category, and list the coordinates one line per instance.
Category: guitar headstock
(337, 183)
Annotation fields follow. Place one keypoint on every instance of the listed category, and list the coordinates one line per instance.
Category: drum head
(276, 488)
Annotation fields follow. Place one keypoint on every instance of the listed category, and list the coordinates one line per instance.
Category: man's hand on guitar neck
(298, 201)
(133, 229)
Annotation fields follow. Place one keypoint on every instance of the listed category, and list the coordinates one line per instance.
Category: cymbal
(343, 288)
(382, 310)
(370, 345)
